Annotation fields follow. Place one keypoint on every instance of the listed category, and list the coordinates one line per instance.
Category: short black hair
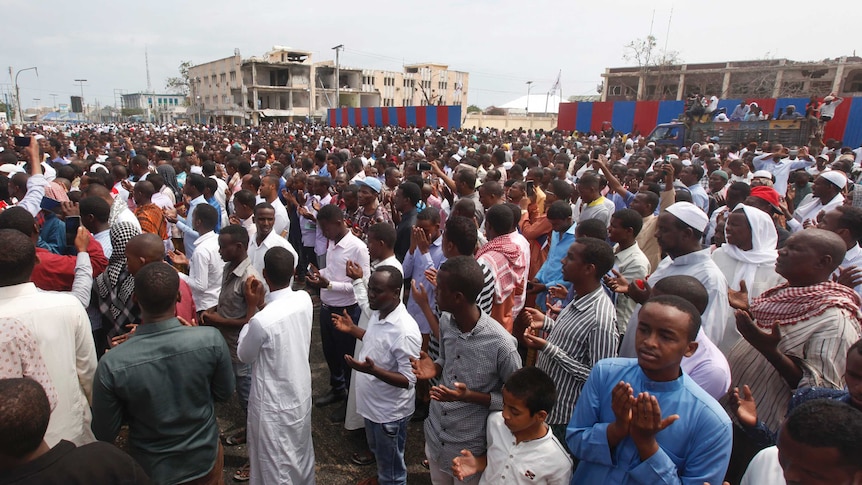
(630, 219)
(741, 188)
(467, 176)
(279, 263)
(590, 180)
(462, 232)
(211, 185)
(560, 210)
(533, 386)
(156, 287)
(245, 197)
(330, 213)
(384, 232)
(237, 234)
(687, 287)
(429, 214)
(598, 253)
(492, 188)
(684, 306)
(208, 168)
(18, 257)
(825, 423)
(465, 276)
(851, 219)
(20, 219)
(207, 215)
(394, 280)
(592, 228)
(562, 189)
(500, 219)
(198, 181)
(24, 415)
(263, 205)
(411, 192)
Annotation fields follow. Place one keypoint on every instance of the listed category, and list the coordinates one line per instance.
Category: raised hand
(618, 283)
(353, 270)
(738, 299)
(253, 292)
(763, 342)
(465, 465)
(418, 293)
(365, 367)
(646, 423)
(423, 368)
(431, 276)
(558, 291)
(343, 322)
(177, 258)
(532, 341)
(82, 239)
(744, 406)
(622, 402)
(850, 276)
(444, 394)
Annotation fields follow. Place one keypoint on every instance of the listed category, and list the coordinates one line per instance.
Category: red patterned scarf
(788, 305)
(506, 261)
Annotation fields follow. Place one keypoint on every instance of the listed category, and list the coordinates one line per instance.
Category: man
(584, 333)
(208, 169)
(563, 235)
(61, 328)
(149, 215)
(819, 443)
(370, 211)
(507, 261)
(477, 355)
(426, 253)
(25, 457)
(54, 272)
(645, 203)
(846, 222)
(275, 342)
(644, 420)
(206, 266)
(336, 297)
(269, 192)
(94, 212)
(690, 177)
(194, 190)
(679, 232)
(629, 260)
(781, 162)
(244, 203)
(385, 384)
(593, 204)
(809, 320)
(407, 196)
(266, 238)
(825, 195)
(173, 433)
(119, 206)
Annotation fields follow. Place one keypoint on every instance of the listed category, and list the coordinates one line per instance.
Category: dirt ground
(333, 445)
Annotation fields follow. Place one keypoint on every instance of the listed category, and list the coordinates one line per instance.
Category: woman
(747, 260)
(116, 285)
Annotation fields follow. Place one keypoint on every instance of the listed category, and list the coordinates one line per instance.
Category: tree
(655, 68)
(473, 109)
(180, 84)
(495, 111)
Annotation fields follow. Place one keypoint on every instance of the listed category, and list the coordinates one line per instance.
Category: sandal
(425, 465)
(363, 458)
(243, 473)
(235, 439)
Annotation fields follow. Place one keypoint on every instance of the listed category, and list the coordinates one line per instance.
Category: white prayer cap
(690, 214)
(10, 169)
(96, 166)
(762, 174)
(836, 177)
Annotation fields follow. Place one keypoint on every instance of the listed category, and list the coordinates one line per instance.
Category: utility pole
(337, 74)
(54, 101)
(83, 105)
(527, 109)
(17, 91)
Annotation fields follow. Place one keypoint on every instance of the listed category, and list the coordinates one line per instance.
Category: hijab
(170, 175)
(764, 240)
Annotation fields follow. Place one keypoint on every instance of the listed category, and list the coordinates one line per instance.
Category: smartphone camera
(424, 166)
(22, 141)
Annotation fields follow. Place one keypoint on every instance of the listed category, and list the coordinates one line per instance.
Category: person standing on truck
(739, 112)
(781, 162)
(827, 110)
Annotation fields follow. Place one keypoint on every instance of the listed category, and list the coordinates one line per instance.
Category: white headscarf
(764, 239)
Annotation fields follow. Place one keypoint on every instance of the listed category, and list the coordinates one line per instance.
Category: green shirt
(163, 382)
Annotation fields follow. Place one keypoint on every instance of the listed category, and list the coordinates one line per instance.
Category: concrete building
(162, 108)
(286, 85)
(772, 78)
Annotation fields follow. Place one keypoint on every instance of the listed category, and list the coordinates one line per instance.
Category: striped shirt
(486, 296)
(483, 359)
(584, 333)
(819, 344)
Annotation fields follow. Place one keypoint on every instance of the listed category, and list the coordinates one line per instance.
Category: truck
(787, 132)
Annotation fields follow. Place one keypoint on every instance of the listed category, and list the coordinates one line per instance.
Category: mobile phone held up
(22, 141)
(531, 188)
(424, 166)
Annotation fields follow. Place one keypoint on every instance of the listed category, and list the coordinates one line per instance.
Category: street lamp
(337, 49)
(54, 102)
(529, 86)
(18, 94)
(83, 106)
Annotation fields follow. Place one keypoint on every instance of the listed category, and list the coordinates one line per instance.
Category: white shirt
(349, 248)
(540, 461)
(128, 216)
(104, 238)
(276, 342)
(221, 199)
(708, 367)
(282, 221)
(633, 264)
(764, 468)
(808, 209)
(206, 269)
(62, 330)
(256, 252)
(853, 257)
(390, 343)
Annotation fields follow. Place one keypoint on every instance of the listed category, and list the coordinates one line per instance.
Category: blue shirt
(693, 450)
(551, 272)
(190, 236)
(213, 202)
(414, 267)
(699, 197)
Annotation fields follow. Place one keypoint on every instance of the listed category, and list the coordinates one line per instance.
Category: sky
(501, 43)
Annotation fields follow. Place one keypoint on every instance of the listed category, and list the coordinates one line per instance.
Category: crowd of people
(555, 307)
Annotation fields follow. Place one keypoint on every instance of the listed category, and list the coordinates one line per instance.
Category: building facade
(772, 78)
(160, 108)
(286, 85)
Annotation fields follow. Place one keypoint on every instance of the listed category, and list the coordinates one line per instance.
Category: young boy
(521, 447)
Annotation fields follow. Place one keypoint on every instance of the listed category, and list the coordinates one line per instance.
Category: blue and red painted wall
(627, 116)
(448, 117)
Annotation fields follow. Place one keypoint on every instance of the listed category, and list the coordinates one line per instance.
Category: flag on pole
(556, 85)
